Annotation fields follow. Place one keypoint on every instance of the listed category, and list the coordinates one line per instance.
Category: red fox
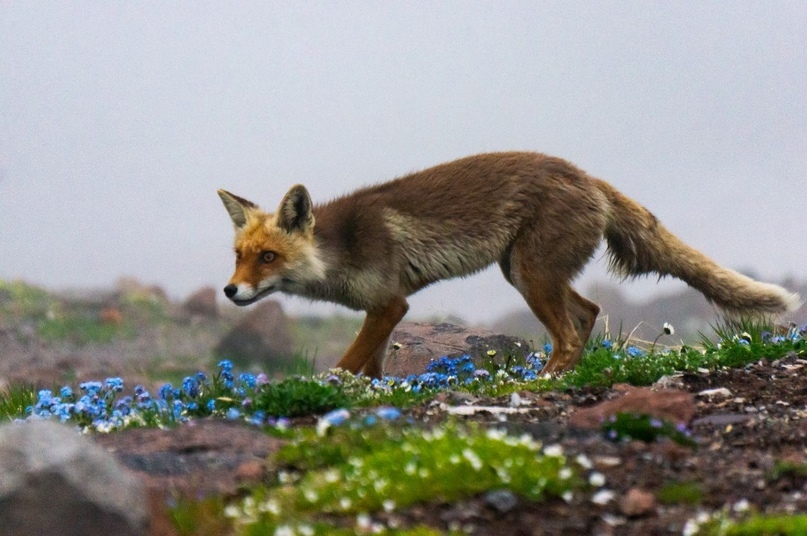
(541, 218)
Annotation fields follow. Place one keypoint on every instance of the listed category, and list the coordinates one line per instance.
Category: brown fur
(539, 217)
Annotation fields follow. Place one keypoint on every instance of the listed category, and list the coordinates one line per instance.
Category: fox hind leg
(584, 314)
(551, 301)
(544, 282)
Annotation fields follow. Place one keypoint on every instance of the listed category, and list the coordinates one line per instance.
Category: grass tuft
(15, 401)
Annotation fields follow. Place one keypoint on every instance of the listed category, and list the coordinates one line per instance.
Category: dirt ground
(741, 434)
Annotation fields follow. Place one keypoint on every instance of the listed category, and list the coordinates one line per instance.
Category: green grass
(82, 330)
(680, 493)
(757, 525)
(14, 401)
(788, 469)
(348, 471)
(21, 300)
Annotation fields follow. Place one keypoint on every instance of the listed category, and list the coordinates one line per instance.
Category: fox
(539, 217)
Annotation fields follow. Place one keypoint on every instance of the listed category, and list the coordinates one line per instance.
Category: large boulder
(202, 303)
(413, 345)
(263, 337)
(54, 481)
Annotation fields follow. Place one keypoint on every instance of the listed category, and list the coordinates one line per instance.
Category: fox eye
(268, 256)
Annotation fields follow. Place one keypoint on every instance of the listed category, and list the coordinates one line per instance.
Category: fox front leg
(367, 351)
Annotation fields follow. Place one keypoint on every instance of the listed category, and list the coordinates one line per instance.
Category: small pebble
(502, 500)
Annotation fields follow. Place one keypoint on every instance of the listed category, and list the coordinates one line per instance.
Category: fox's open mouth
(255, 298)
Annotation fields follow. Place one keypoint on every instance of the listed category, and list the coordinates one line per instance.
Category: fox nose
(230, 290)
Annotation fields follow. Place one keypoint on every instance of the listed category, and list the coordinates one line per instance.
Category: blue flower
(388, 413)
(225, 365)
(634, 351)
(336, 417)
(166, 391)
(607, 344)
(90, 387)
(190, 384)
(114, 384)
(247, 379)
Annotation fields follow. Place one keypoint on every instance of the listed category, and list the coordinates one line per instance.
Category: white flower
(596, 479)
(741, 506)
(602, 497)
(668, 328)
(473, 459)
(553, 450)
(271, 506)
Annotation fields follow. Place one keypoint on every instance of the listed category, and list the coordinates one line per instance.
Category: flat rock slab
(200, 458)
(666, 404)
(413, 345)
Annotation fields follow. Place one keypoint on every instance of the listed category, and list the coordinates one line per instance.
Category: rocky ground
(746, 422)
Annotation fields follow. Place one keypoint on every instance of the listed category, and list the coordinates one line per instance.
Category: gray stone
(502, 500)
(53, 481)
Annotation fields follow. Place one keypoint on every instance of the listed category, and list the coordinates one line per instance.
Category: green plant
(15, 399)
(680, 493)
(644, 428)
(353, 469)
(294, 397)
(756, 525)
(81, 329)
(787, 468)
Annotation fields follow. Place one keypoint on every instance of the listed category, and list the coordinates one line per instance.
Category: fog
(118, 122)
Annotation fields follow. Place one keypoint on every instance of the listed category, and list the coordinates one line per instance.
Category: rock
(502, 500)
(668, 404)
(636, 503)
(720, 392)
(202, 303)
(55, 481)
(413, 345)
(262, 337)
(201, 458)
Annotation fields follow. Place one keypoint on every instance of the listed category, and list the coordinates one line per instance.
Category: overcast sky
(119, 120)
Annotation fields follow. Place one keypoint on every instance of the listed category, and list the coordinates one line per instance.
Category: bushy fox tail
(638, 244)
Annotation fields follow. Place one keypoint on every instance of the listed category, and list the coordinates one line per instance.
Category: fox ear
(294, 213)
(237, 207)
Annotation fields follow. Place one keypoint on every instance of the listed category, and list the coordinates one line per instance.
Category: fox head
(273, 252)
